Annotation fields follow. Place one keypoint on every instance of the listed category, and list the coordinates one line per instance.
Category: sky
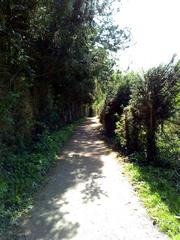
(155, 29)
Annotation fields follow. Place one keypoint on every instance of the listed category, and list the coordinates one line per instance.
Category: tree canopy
(52, 54)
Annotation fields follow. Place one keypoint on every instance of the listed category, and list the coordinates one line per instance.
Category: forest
(56, 67)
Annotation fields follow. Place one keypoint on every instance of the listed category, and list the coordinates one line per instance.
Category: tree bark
(151, 137)
(151, 145)
(127, 131)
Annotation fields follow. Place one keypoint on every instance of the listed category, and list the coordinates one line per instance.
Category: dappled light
(85, 195)
(79, 167)
(67, 112)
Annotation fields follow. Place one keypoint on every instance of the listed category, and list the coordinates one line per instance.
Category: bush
(114, 106)
(168, 143)
(153, 101)
(22, 173)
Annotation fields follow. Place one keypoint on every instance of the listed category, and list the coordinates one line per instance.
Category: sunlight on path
(88, 197)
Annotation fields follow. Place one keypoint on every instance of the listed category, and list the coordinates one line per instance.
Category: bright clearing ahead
(155, 28)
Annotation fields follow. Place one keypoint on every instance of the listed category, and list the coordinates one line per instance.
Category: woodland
(56, 67)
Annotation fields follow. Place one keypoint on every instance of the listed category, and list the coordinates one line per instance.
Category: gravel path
(87, 197)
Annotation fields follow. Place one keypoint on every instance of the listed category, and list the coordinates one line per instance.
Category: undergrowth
(159, 190)
(24, 173)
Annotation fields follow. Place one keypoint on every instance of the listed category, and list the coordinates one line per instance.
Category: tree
(52, 55)
(153, 99)
(117, 98)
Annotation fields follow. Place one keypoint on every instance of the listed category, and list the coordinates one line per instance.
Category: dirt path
(88, 197)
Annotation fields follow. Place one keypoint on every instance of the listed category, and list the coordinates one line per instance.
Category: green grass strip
(158, 188)
(25, 173)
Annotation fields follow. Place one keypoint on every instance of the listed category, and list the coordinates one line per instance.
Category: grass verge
(24, 173)
(159, 189)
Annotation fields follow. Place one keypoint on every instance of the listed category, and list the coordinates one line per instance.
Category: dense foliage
(140, 112)
(25, 173)
(117, 98)
(52, 54)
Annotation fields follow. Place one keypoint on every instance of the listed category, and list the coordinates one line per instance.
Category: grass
(24, 174)
(159, 190)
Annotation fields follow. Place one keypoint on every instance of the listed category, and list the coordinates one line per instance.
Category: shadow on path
(79, 163)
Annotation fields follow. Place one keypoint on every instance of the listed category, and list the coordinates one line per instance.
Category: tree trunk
(135, 145)
(151, 145)
(127, 132)
(151, 138)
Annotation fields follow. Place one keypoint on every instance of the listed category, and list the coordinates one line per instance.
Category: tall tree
(153, 100)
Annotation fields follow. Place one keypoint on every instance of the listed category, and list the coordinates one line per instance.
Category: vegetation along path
(88, 197)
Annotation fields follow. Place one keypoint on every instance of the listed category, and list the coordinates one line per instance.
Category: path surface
(87, 197)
